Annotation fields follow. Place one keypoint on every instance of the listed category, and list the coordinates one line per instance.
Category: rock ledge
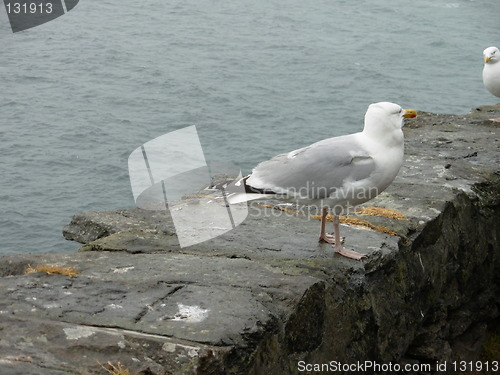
(261, 298)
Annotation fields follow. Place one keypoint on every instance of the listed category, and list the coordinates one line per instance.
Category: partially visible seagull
(491, 72)
(337, 172)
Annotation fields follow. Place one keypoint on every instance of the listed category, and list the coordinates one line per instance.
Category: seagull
(491, 72)
(337, 173)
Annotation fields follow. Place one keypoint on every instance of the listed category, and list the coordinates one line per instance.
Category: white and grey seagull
(337, 172)
(491, 72)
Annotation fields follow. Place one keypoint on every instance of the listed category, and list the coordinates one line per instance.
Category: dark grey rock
(266, 295)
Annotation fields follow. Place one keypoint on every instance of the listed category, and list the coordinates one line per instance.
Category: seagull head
(383, 122)
(491, 55)
(386, 116)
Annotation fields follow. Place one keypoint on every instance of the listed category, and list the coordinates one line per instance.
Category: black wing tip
(235, 185)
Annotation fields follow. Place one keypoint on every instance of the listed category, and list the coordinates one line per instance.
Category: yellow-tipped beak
(487, 59)
(410, 113)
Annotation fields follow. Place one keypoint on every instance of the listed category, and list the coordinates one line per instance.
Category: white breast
(491, 78)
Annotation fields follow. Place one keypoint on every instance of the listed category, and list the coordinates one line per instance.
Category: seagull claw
(328, 238)
(348, 253)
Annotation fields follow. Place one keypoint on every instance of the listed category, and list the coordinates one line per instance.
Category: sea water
(80, 93)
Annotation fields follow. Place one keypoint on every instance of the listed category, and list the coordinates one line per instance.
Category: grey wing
(317, 170)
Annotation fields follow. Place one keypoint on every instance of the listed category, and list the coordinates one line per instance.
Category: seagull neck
(389, 138)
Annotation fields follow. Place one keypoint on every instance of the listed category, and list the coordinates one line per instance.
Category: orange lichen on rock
(379, 211)
(360, 223)
(53, 270)
(367, 224)
(115, 370)
(373, 211)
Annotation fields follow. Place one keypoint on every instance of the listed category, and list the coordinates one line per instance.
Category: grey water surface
(80, 93)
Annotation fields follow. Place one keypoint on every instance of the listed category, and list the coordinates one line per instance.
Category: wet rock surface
(266, 295)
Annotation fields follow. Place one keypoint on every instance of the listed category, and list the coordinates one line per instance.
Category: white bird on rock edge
(338, 172)
(491, 72)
